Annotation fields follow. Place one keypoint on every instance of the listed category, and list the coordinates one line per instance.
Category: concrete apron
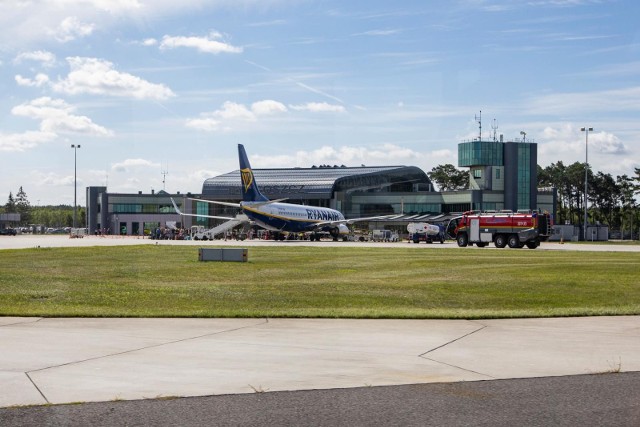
(54, 360)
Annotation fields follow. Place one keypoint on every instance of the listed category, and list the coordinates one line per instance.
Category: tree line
(611, 201)
(53, 216)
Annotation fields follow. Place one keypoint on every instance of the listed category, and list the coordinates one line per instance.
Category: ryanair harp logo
(247, 178)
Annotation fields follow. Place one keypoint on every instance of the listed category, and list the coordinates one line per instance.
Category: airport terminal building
(502, 176)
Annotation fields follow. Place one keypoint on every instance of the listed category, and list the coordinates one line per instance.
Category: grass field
(287, 281)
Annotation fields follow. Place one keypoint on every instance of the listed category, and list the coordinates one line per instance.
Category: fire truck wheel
(532, 244)
(501, 241)
(514, 242)
(462, 240)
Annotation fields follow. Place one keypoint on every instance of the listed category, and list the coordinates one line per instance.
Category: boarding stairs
(228, 225)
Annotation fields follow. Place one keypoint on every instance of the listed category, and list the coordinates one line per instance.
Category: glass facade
(124, 208)
(202, 208)
(477, 153)
(524, 176)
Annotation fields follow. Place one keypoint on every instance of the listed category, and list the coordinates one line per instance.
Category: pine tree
(22, 206)
(10, 207)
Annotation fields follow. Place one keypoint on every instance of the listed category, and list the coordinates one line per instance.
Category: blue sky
(147, 86)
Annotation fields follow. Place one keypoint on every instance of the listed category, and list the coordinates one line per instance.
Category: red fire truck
(503, 228)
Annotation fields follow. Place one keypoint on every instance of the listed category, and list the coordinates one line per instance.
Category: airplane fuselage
(290, 217)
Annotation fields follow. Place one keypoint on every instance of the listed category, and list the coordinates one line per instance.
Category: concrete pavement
(52, 241)
(52, 360)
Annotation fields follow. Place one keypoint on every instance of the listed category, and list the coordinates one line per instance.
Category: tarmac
(60, 360)
(54, 360)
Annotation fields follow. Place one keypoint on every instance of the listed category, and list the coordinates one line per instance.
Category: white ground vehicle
(425, 232)
(384, 236)
(198, 232)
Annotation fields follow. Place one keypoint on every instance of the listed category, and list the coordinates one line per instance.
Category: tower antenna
(494, 126)
(164, 174)
(479, 120)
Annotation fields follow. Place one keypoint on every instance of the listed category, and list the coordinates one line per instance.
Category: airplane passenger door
(474, 232)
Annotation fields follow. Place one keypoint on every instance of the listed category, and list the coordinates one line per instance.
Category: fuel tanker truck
(514, 229)
(425, 232)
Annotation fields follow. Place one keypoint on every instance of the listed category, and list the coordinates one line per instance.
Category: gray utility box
(223, 254)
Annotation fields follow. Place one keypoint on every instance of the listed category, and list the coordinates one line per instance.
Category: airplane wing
(349, 221)
(237, 205)
(371, 218)
(215, 202)
(198, 215)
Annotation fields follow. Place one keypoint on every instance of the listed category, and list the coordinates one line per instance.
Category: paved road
(45, 241)
(584, 400)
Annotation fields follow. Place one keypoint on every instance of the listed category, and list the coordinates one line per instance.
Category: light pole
(586, 169)
(524, 136)
(75, 182)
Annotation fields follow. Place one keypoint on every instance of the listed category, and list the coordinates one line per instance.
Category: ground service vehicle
(384, 236)
(198, 232)
(425, 232)
(513, 229)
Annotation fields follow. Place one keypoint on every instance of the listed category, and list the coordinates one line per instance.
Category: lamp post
(524, 136)
(75, 182)
(586, 169)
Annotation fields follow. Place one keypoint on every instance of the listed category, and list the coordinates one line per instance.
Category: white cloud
(208, 44)
(55, 180)
(24, 141)
(268, 107)
(205, 123)
(111, 6)
(385, 154)
(98, 77)
(444, 154)
(47, 59)
(128, 164)
(569, 139)
(40, 80)
(28, 22)
(218, 120)
(607, 143)
(56, 117)
(565, 142)
(199, 176)
(232, 112)
(616, 100)
(71, 28)
(319, 107)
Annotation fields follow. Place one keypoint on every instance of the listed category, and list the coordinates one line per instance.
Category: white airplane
(277, 216)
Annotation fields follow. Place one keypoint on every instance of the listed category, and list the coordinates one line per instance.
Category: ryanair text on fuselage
(323, 215)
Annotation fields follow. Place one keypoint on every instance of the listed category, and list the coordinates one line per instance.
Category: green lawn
(293, 281)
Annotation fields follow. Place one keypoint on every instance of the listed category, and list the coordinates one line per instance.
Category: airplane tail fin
(250, 190)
